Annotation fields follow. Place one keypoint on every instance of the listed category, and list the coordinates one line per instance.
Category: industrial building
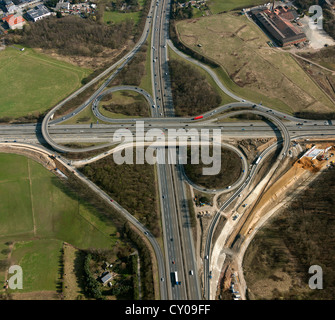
(278, 23)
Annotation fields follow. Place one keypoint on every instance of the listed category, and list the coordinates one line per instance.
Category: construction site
(273, 190)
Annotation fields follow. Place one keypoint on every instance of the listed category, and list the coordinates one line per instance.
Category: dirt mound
(308, 164)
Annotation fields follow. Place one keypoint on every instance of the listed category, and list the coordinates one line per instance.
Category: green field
(117, 17)
(217, 6)
(31, 82)
(40, 263)
(251, 69)
(34, 203)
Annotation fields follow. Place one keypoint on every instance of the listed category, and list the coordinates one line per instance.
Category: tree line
(132, 185)
(192, 94)
(72, 35)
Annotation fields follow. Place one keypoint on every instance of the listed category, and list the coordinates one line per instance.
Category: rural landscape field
(284, 85)
(27, 92)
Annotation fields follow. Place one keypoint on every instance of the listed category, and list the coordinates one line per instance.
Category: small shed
(105, 277)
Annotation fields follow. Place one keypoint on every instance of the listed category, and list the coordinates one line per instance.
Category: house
(24, 3)
(10, 6)
(14, 21)
(105, 277)
(62, 6)
(39, 12)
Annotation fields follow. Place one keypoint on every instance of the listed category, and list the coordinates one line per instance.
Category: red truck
(198, 117)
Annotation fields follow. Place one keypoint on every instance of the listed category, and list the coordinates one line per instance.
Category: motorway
(179, 249)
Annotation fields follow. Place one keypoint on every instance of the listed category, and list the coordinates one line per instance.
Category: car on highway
(173, 262)
(146, 233)
(191, 272)
(206, 257)
(162, 279)
(111, 200)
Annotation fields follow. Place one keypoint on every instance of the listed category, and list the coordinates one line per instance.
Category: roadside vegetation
(277, 261)
(128, 103)
(231, 168)
(134, 71)
(132, 185)
(224, 97)
(192, 94)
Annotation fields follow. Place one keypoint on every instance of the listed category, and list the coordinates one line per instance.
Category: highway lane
(168, 209)
(105, 133)
(164, 107)
(286, 143)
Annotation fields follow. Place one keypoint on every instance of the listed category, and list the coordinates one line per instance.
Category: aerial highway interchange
(179, 250)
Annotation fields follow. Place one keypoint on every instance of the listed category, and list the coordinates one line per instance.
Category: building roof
(13, 20)
(279, 27)
(106, 277)
(39, 11)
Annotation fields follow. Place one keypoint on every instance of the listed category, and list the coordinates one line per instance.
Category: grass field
(125, 104)
(249, 67)
(38, 214)
(32, 82)
(40, 263)
(217, 6)
(117, 17)
(33, 203)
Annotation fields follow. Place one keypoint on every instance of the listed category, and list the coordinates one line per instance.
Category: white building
(38, 13)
